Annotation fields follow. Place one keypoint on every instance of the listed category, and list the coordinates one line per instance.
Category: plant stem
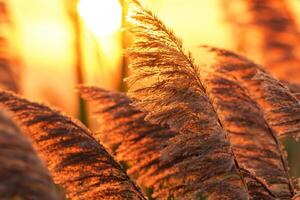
(79, 61)
(122, 85)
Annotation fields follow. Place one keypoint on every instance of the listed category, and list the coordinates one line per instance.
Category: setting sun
(101, 17)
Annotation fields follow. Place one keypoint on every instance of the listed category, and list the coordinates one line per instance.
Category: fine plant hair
(235, 89)
(277, 36)
(281, 108)
(228, 115)
(130, 138)
(8, 62)
(294, 88)
(22, 173)
(76, 161)
(201, 151)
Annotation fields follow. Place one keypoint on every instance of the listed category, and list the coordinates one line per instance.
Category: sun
(102, 17)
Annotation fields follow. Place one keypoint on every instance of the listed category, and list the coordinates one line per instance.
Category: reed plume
(277, 36)
(132, 140)
(201, 150)
(281, 108)
(245, 108)
(225, 147)
(22, 173)
(75, 160)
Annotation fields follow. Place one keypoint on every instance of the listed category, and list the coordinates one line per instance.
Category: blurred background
(57, 44)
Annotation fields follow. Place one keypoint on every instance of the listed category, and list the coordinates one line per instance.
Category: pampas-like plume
(22, 174)
(8, 62)
(277, 36)
(166, 85)
(280, 106)
(133, 140)
(218, 133)
(254, 143)
(75, 160)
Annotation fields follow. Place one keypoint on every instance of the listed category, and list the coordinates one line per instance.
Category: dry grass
(75, 160)
(183, 130)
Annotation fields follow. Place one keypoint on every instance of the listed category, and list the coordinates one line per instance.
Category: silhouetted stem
(122, 84)
(79, 60)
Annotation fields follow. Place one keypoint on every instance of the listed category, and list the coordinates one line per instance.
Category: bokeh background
(43, 43)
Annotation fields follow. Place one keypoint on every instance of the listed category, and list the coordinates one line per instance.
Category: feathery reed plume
(76, 161)
(8, 71)
(254, 143)
(213, 127)
(133, 140)
(22, 174)
(277, 36)
(281, 108)
(165, 84)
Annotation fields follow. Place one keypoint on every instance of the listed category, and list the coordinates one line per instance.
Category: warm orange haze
(38, 20)
(168, 99)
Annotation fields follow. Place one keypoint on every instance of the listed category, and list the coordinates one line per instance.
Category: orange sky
(46, 43)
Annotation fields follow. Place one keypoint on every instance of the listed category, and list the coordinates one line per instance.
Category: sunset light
(150, 99)
(102, 17)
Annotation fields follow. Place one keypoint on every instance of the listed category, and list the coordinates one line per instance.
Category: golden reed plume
(165, 84)
(75, 160)
(280, 107)
(131, 139)
(185, 131)
(228, 115)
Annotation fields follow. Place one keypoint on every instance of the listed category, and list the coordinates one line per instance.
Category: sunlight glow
(102, 17)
